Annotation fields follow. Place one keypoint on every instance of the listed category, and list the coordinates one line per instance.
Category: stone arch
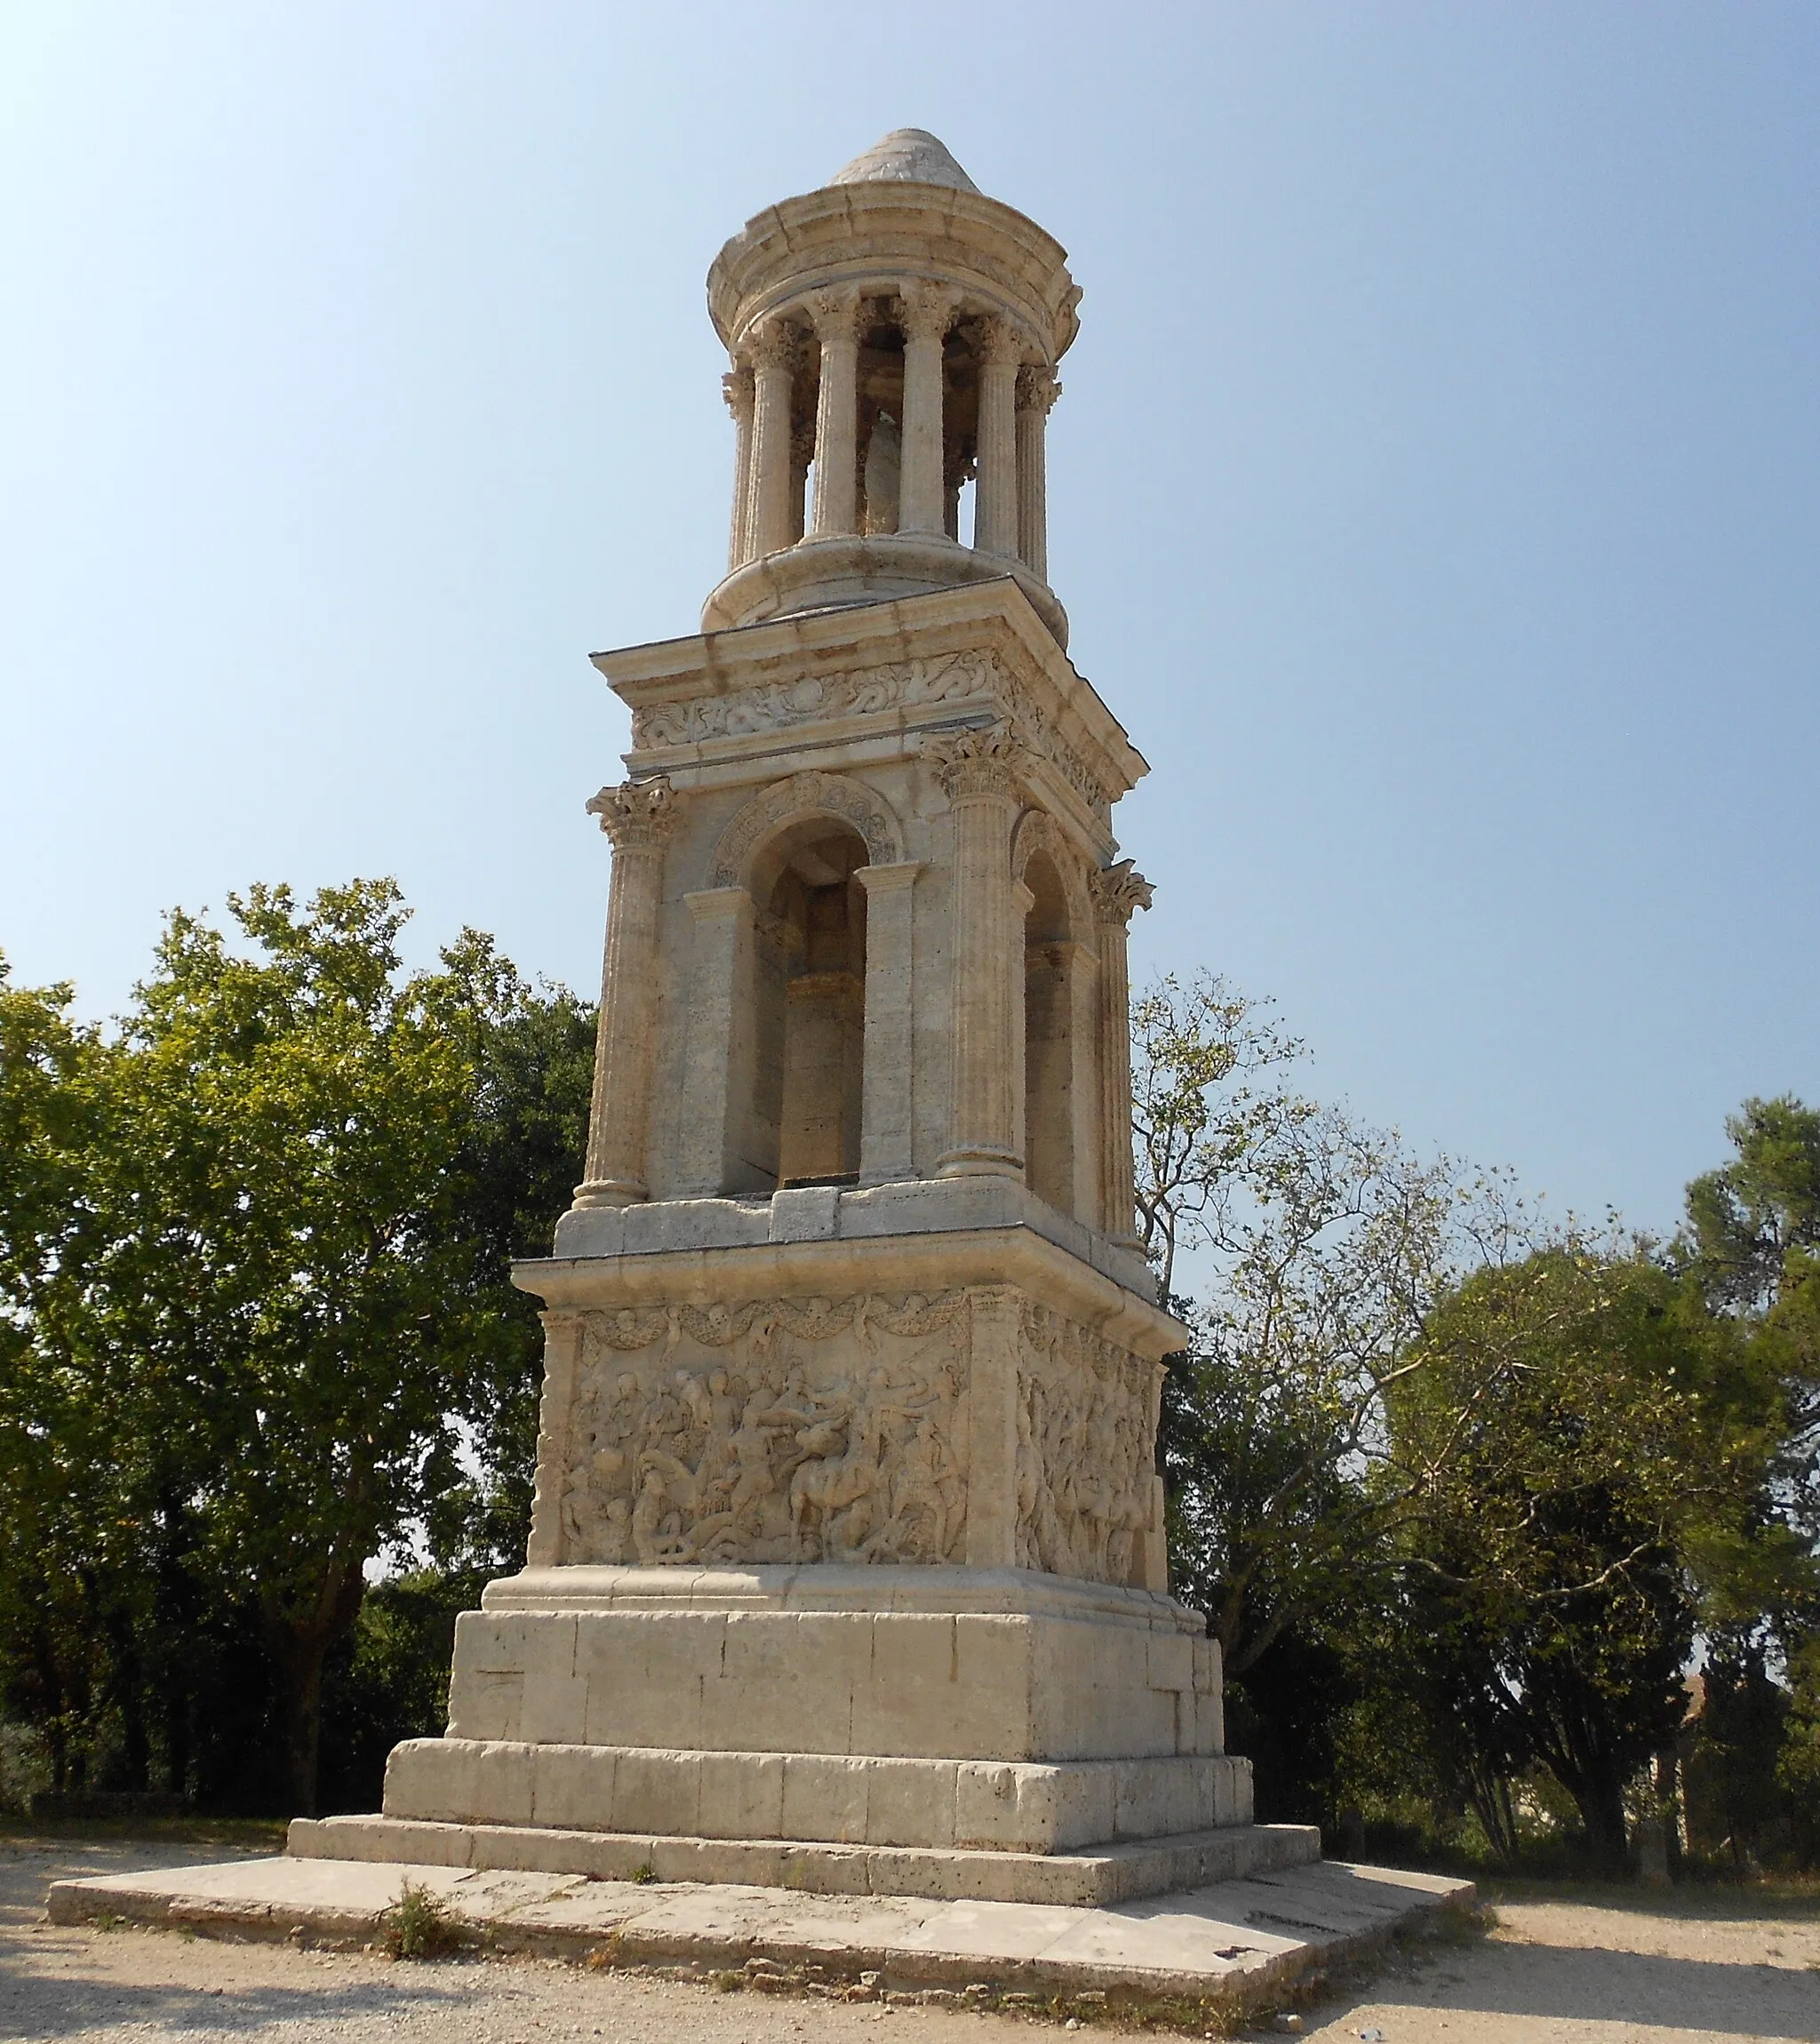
(1057, 1054)
(1038, 832)
(787, 801)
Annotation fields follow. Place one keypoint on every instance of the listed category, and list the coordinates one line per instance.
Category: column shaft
(737, 389)
(717, 1054)
(926, 318)
(637, 817)
(561, 1361)
(1037, 390)
(767, 524)
(995, 502)
(978, 769)
(995, 1318)
(886, 1116)
(1117, 891)
(837, 418)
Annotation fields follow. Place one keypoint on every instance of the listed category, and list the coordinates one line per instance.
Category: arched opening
(1049, 1029)
(808, 1007)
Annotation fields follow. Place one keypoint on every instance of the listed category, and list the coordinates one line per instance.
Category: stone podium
(847, 1568)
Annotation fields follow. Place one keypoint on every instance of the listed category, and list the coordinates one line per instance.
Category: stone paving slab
(1236, 1944)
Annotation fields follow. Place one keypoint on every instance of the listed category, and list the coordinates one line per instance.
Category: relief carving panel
(775, 1431)
(1085, 1449)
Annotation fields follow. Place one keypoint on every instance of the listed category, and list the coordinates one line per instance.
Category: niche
(808, 1008)
(1050, 963)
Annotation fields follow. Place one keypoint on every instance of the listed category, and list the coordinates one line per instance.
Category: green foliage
(419, 1925)
(259, 1326)
(1580, 1430)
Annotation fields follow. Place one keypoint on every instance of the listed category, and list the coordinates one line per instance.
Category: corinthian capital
(637, 812)
(772, 346)
(1118, 889)
(1038, 388)
(1000, 341)
(972, 763)
(735, 387)
(836, 315)
(928, 310)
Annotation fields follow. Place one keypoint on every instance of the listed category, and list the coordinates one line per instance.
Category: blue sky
(1434, 493)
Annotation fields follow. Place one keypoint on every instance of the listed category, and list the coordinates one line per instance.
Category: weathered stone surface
(1230, 1944)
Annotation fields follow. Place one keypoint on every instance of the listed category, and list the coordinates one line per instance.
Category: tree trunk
(300, 1647)
(1601, 1805)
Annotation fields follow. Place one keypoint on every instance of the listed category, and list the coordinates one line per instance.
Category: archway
(808, 1006)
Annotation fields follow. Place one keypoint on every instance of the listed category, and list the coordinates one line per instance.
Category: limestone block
(644, 1672)
(1169, 1661)
(483, 1703)
(460, 1781)
(994, 1657)
(592, 1232)
(554, 1703)
(1233, 1800)
(1211, 1724)
(911, 1700)
(804, 1213)
(742, 1795)
(573, 1786)
(658, 1791)
(910, 1802)
(1207, 1666)
(825, 1797)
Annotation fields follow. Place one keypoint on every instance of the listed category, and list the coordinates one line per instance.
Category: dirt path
(1552, 1973)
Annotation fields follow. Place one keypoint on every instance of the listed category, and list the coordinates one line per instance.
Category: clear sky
(1434, 492)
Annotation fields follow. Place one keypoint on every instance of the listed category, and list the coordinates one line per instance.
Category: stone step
(829, 1799)
(1094, 1879)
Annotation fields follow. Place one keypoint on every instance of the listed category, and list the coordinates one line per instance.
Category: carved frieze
(777, 1430)
(907, 685)
(1086, 1449)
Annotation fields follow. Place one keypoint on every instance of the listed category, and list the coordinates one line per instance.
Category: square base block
(955, 1664)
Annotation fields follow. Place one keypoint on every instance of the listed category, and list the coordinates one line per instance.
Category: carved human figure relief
(772, 1430)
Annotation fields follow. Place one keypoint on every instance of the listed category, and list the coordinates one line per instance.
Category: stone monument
(847, 1571)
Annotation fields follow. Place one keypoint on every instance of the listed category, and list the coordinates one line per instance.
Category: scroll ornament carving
(1118, 889)
(928, 310)
(635, 813)
(836, 315)
(973, 764)
(773, 346)
(803, 794)
(1086, 1449)
(764, 1450)
(872, 691)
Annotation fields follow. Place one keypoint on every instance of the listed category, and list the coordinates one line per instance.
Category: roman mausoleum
(848, 1569)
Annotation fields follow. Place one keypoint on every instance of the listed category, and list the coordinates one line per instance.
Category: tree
(1318, 1246)
(1578, 1431)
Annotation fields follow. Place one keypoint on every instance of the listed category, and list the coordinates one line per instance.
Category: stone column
(773, 350)
(561, 1361)
(735, 387)
(717, 1053)
(1117, 890)
(996, 503)
(1022, 902)
(837, 415)
(1037, 390)
(886, 1126)
(637, 817)
(995, 1318)
(978, 769)
(801, 454)
(928, 313)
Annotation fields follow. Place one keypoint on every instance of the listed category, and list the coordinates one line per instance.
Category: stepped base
(1094, 1879)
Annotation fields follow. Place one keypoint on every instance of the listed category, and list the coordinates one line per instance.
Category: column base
(609, 1193)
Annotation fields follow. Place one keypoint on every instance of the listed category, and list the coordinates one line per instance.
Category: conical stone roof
(906, 155)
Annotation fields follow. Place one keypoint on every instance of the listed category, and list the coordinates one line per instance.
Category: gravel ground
(1552, 1973)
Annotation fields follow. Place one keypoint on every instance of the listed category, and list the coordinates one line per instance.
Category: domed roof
(906, 155)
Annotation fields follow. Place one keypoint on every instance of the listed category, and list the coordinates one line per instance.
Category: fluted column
(1037, 390)
(801, 454)
(978, 769)
(637, 817)
(718, 1045)
(928, 313)
(886, 1122)
(1117, 890)
(735, 387)
(773, 350)
(995, 504)
(837, 415)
